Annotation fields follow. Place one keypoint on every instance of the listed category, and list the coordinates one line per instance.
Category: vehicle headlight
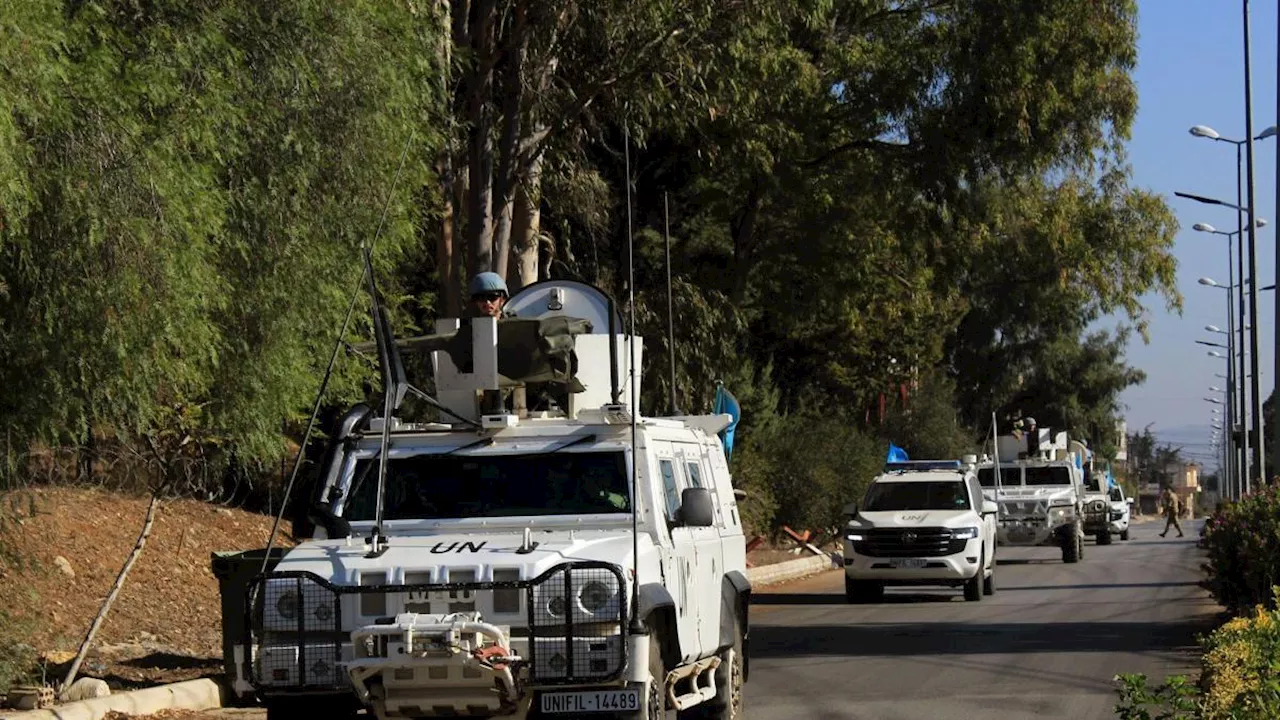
(1060, 502)
(595, 596)
(287, 605)
(556, 606)
(855, 536)
(964, 533)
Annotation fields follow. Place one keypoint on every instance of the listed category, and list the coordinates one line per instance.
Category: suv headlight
(593, 595)
(964, 533)
(855, 536)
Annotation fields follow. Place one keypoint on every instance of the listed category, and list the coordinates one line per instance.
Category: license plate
(591, 701)
(909, 562)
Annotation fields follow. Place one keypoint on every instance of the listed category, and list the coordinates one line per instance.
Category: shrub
(1242, 541)
(1239, 678)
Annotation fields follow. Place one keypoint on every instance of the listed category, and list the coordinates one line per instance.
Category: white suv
(921, 523)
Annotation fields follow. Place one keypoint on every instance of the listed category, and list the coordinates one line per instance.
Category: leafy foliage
(1241, 539)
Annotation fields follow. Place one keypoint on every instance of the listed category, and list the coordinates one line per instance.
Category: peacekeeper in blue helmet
(488, 295)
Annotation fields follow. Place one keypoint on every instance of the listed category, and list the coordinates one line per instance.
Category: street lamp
(1205, 131)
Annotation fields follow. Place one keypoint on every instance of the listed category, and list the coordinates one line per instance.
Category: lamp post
(1255, 393)
(1238, 410)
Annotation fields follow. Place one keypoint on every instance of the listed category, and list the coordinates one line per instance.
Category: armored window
(431, 486)
(694, 479)
(1009, 476)
(669, 488)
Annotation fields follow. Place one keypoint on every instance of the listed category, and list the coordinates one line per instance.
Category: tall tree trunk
(444, 239)
(447, 169)
(509, 146)
(480, 138)
(527, 225)
(460, 254)
(744, 241)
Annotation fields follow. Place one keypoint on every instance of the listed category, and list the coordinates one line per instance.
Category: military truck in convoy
(539, 549)
(1037, 482)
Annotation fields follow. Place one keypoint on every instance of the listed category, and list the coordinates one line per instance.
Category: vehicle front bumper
(945, 569)
(1030, 532)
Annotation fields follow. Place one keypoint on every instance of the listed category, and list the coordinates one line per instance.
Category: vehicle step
(695, 672)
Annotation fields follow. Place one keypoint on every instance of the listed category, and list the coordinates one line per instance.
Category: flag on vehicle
(727, 404)
(896, 454)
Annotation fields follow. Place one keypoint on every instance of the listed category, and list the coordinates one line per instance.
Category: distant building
(1182, 478)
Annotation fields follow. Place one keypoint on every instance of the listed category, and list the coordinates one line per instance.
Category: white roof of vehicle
(922, 476)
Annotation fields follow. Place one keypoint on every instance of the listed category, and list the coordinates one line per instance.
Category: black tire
(1104, 538)
(1072, 547)
(973, 586)
(989, 582)
(728, 702)
(1124, 534)
(863, 591)
(656, 707)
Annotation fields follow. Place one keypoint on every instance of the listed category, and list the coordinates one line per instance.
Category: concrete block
(203, 694)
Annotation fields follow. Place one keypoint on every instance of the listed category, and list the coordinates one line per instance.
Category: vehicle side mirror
(851, 510)
(696, 508)
(1128, 501)
(739, 494)
(990, 508)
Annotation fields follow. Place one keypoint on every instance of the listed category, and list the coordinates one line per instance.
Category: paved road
(1046, 645)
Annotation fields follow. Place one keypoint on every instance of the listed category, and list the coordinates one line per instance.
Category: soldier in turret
(488, 294)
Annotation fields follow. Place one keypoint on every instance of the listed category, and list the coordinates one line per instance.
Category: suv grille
(908, 542)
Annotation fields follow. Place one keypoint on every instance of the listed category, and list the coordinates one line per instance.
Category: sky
(1191, 72)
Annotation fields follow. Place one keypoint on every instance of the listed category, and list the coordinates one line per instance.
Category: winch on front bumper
(429, 651)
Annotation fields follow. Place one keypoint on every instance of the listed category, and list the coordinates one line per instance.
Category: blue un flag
(727, 404)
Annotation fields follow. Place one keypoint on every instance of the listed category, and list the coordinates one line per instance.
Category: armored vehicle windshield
(441, 486)
(1008, 476)
(1052, 475)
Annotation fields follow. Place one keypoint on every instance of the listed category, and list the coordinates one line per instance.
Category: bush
(802, 470)
(17, 659)
(1242, 541)
(1239, 678)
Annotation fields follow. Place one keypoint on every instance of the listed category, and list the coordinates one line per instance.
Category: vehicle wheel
(973, 586)
(1104, 538)
(727, 704)
(1071, 547)
(1124, 534)
(989, 582)
(863, 591)
(656, 705)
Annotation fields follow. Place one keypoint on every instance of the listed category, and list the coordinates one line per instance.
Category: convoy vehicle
(921, 523)
(1039, 488)
(556, 554)
(1106, 508)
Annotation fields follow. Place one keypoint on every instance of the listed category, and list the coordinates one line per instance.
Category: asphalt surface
(1046, 645)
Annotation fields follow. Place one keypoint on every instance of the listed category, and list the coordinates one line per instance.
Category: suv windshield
(1008, 476)
(428, 487)
(1048, 476)
(930, 495)
(1116, 495)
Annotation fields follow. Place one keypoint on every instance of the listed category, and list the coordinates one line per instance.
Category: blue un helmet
(488, 282)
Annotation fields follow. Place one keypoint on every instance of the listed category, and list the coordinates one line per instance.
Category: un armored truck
(554, 555)
(1106, 508)
(1039, 489)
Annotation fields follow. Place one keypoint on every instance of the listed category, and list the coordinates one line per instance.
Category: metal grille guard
(305, 652)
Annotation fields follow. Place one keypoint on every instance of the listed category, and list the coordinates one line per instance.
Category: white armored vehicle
(540, 550)
(1106, 509)
(1039, 488)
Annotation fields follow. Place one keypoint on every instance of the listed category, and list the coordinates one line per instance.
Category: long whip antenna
(671, 324)
(333, 357)
(631, 371)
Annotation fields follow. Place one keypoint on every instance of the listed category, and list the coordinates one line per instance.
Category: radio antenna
(635, 409)
(671, 324)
